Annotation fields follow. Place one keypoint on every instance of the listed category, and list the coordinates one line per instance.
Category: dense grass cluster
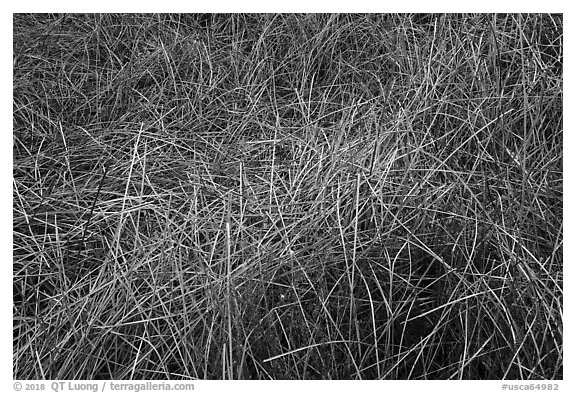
(287, 196)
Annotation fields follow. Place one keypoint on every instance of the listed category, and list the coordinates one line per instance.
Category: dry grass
(287, 196)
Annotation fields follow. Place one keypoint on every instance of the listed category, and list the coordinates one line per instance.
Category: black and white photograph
(287, 196)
